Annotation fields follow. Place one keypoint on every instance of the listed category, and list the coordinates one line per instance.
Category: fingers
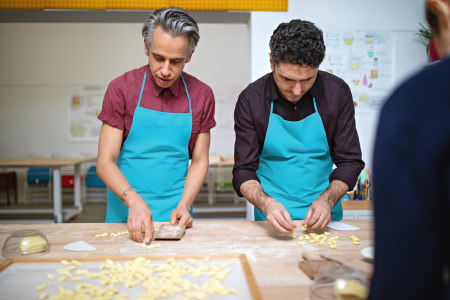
(308, 216)
(279, 224)
(288, 218)
(173, 217)
(315, 215)
(148, 230)
(185, 220)
(322, 218)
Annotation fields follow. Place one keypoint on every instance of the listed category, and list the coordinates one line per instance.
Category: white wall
(39, 60)
(403, 16)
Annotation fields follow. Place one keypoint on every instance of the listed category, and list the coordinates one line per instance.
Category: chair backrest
(38, 175)
(92, 179)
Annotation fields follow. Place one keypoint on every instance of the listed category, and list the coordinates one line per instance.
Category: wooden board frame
(251, 282)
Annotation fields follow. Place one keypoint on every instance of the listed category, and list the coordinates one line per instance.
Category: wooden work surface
(273, 257)
(41, 162)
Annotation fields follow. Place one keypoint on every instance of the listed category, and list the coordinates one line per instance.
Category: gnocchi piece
(301, 243)
(62, 279)
(326, 233)
(144, 246)
(304, 228)
(115, 234)
(230, 263)
(169, 260)
(43, 296)
(333, 247)
(355, 243)
(65, 262)
(293, 236)
(307, 237)
(120, 233)
(41, 287)
(191, 261)
(222, 266)
(204, 268)
(76, 279)
(207, 258)
(321, 243)
(50, 276)
(301, 238)
(71, 268)
(158, 246)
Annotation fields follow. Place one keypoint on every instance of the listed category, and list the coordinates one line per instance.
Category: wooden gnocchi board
(20, 277)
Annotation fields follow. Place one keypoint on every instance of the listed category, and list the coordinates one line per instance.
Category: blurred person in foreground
(412, 179)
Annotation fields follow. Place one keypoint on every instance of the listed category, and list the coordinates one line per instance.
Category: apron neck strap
(315, 106)
(142, 89)
(187, 93)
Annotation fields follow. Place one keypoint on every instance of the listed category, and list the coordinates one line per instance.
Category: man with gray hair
(155, 119)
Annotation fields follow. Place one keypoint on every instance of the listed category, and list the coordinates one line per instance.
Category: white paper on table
(341, 226)
(79, 246)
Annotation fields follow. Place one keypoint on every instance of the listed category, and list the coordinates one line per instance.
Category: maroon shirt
(335, 106)
(122, 97)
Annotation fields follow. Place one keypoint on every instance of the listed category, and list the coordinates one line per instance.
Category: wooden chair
(7, 182)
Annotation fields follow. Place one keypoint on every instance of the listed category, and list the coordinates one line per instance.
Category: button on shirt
(335, 106)
(122, 97)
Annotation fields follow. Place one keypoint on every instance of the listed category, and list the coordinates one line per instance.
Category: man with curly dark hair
(291, 126)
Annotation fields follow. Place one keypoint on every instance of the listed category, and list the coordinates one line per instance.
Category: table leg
(57, 195)
(7, 189)
(15, 188)
(250, 211)
(77, 188)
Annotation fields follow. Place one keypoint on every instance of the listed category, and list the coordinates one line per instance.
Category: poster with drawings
(364, 59)
(84, 106)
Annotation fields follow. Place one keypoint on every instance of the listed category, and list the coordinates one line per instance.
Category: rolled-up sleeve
(113, 108)
(246, 147)
(345, 148)
(207, 120)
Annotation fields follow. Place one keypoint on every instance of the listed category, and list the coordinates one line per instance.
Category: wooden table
(273, 257)
(56, 164)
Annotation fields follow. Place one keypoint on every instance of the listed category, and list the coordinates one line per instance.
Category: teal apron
(295, 164)
(154, 159)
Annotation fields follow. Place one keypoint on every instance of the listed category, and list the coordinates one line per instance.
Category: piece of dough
(41, 287)
(32, 244)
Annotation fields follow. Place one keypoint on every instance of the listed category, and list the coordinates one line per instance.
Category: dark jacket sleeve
(344, 147)
(246, 147)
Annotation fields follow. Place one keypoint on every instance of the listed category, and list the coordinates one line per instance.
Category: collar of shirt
(157, 89)
(274, 93)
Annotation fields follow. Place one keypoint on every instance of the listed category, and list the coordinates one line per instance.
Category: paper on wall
(341, 226)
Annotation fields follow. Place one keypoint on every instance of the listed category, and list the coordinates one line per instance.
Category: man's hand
(278, 217)
(139, 214)
(318, 215)
(181, 213)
